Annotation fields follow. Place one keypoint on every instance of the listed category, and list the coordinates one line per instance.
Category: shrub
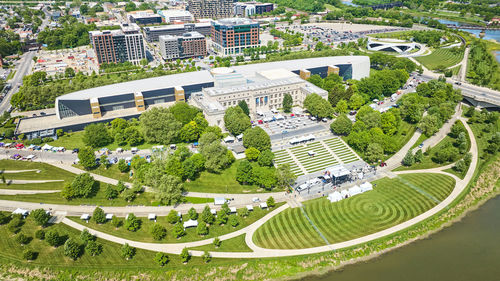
(206, 257)
(178, 230)
(23, 239)
(72, 249)
(15, 224)
(173, 217)
(86, 237)
(202, 229)
(110, 192)
(40, 216)
(93, 248)
(116, 222)
(120, 187)
(53, 238)
(270, 202)
(192, 214)
(233, 221)
(4, 218)
(161, 259)
(217, 242)
(244, 212)
(29, 255)
(132, 223)
(122, 166)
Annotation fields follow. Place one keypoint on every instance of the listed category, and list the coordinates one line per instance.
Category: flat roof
(176, 26)
(204, 76)
(235, 21)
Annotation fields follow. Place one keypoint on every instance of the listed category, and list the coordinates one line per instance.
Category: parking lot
(281, 124)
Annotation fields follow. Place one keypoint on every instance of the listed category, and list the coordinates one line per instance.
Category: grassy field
(456, 70)
(441, 57)
(235, 244)
(109, 259)
(111, 172)
(144, 233)
(224, 182)
(392, 201)
(42, 171)
(75, 140)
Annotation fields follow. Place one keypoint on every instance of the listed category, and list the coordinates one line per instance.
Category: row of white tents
(47, 147)
(302, 139)
(355, 190)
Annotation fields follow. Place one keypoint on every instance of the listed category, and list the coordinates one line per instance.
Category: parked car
(421, 145)
(75, 150)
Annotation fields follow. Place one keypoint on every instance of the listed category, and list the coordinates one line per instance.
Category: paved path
(19, 171)
(25, 192)
(30, 181)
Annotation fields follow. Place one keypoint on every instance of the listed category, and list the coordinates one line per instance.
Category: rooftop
(235, 21)
(175, 26)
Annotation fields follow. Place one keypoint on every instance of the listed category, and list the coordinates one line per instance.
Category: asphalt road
(22, 69)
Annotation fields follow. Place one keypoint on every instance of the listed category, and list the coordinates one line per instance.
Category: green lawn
(392, 201)
(225, 182)
(420, 140)
(441, 57)
(109, 259)
(33, 186)
(456, 70)
(144, 233)
(111, 172)
(75, 140)
(235, 244)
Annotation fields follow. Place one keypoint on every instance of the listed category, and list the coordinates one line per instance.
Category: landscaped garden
(392, 201)
(442, 58)
(32, 171)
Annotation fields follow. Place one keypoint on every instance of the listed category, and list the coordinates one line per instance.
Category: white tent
(85, 217)
(229, 139)
(30, 157)
(213, 211)
(355, 190)
(263, 205)
(20, 211)
(190, 223)
(279, 117)
(232, 210)
(134, 149)
(255, 199)
(250, 207)
(109, 216)
(294, 141)
(366, 186)
(47, 147)
(239, 137)
(311, 137)
(268, 119)
(335, 197)
(219, 201)
(344, 193)
(152, 217)
(311, 153)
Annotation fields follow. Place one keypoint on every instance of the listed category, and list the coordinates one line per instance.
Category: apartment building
(213, 9)
(115, 46)
(190, 44)
(246, 9)
(171, 16)
(231, 36)
(153, 33)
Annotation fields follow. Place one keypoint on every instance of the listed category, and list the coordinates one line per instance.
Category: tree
(82, 186)
(127, 251)
(178, 230)
(266, 158)
(244, 106)
(159, 125)
(374, 152)
(243, 212)
(22, 239)
(40, 234)
(287, 103)
(72, 249)
(192, 214)
(270, 202)
(110, 193)
(356, 101)
(40, 216)
(86, 237)
(15, 224)
(132, 223)
(128, 195)
(217, 157)
(317, 106)
(409, 159)
(190, 132)
(284, 176)
(161, 259)
(96, 135)
(158, 232)
(389, 123)
(429, 125)
(29, 255)
(123, 167)
(202, 229)
(116, 222)
(258, 138)
(99, 216)
(120, 187)
(206, 257)
(185, 256)
(233, 221)
(252, 153)
(134, 136)
(86, 158)
(342, 125)
(170, 189)
(341, 107)
(207, 216)
(460, 166)
(236, 121)
(217, 242)
(221, 217)
(173, 217)
(4, 218)
(419, 156)
(93, 248)
(69, 72)
(53, 238)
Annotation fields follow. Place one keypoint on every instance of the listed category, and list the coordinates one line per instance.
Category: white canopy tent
(219, 201)
(152, 217)
(213, 211)
(109, 216)
(229, 139)
(20, 211)
(249, 207)
(263, 205)
(366, 186)
(311, 153)
(232, 210)
(355, 190)
(335, 196)
(239, 137)
(47, 147)
(190, 223)
(85, 217)
(279, 117)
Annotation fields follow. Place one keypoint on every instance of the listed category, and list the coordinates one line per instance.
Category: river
(489, 34)
(468, 250)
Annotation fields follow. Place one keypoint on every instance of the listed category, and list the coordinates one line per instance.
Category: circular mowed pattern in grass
(391, 202)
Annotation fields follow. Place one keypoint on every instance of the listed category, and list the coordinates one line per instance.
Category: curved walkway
(262, 252)
(25, 192)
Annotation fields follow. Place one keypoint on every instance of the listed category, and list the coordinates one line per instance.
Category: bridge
(480, 97)
(473, 27)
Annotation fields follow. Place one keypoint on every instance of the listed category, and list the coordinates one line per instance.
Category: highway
(22, 69)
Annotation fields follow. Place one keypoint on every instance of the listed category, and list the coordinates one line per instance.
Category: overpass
(480, 97)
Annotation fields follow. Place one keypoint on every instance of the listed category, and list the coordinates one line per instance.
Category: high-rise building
(154, 32)
(144, 17)
(232, 35)
(246, 9)
(115, 46)
(191, 44)
(210, 8)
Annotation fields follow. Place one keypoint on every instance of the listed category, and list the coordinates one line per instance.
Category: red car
(260, 122)
(383, 164)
